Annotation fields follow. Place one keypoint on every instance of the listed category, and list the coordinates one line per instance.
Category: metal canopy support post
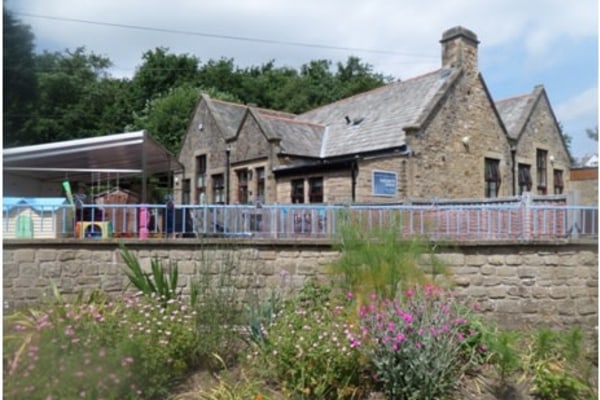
(144, 162)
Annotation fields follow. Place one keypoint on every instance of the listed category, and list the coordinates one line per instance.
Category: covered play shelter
(38, 170)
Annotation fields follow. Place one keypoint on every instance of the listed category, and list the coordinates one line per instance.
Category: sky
(522, 43)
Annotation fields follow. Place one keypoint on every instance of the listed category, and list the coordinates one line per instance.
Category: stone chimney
(459, 49)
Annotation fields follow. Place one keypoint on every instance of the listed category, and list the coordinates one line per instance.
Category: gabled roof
(228, 115)
(376, 119)
(297, 137)
(515, 111)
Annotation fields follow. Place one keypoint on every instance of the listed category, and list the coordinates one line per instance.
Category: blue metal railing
(509, 221)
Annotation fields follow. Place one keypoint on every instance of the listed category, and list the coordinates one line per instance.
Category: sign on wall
(385, 183)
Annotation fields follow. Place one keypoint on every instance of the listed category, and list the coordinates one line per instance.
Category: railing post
(573, 214)
(526, 215)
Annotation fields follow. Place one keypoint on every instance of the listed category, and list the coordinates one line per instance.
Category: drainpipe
(354, 172)
(513, 153)
(227, 168)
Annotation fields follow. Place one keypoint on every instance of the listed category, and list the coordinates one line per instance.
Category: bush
(380, 261)
(306, 351)
(129, 348)
(418, 346)
(557, 364)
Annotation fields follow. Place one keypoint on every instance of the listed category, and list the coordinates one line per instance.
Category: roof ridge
(515, 97)
(382, 87)
(293, 120)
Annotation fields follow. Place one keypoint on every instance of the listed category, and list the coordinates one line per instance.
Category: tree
(167, 117)
(592, 133)
(74, 95)
(19, 79)
(160, 72)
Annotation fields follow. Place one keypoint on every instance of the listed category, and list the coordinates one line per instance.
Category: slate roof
(298, 137)
(382, 112)
(228, 115)
(515, 111)
(377, 118)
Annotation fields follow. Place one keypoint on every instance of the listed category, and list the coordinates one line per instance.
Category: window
(524, 178)
(315, 190)
(185, 195)
(218, 182)
(541, 157)
(298, 191)
(201, 179)
(260, 185)
(492, 177)
(558, 181)
(243, 186)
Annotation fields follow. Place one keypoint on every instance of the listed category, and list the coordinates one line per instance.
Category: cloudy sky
(523, 43)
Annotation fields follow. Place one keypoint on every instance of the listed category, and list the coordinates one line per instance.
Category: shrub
(219, 314)
(306, 350)
(557, 364)
(418, 346)
(380, 261)
(160, 281)
(129, 348)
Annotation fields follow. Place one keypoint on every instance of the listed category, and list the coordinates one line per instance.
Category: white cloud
(581, 106)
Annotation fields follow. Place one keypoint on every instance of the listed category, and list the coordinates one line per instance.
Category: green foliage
(19, 84)
(557, 365)
(167, 117)
(306, 350)
(261, 313)
(418, 346)
(160, 281)
(219, 311)
(592, 133)
(381, 261)
(126, 348)
(161, 72)
(505, 353)
(229, 387)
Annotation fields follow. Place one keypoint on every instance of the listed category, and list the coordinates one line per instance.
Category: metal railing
(514, 221)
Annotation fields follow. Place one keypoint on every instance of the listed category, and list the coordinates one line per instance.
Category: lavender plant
(418, 345)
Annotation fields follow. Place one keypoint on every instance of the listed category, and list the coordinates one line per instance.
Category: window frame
(218, 188)
(315, 196)
(295, 193)
(186, 191)
(524, 178)
(201, 177)
(492, 177)
(541, 162)
(559, 184)
(243, 193)
(260, 184)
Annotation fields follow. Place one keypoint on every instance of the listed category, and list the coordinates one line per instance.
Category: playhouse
(36, 217)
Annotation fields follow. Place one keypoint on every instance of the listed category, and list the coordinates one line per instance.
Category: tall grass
(381, 261)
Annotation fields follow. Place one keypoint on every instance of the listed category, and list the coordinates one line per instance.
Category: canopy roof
(119, 155)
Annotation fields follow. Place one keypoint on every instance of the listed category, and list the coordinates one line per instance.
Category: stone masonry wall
(513, 284)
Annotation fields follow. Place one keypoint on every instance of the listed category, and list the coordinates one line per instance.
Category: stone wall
(514, 284)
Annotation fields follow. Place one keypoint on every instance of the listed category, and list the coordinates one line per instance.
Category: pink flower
(350, 295)
(410, 293)
(407, 318)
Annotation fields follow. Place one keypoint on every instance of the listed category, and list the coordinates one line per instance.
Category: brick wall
(514, 284)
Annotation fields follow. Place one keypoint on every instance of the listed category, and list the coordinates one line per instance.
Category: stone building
(541, 160)
(439, 135)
